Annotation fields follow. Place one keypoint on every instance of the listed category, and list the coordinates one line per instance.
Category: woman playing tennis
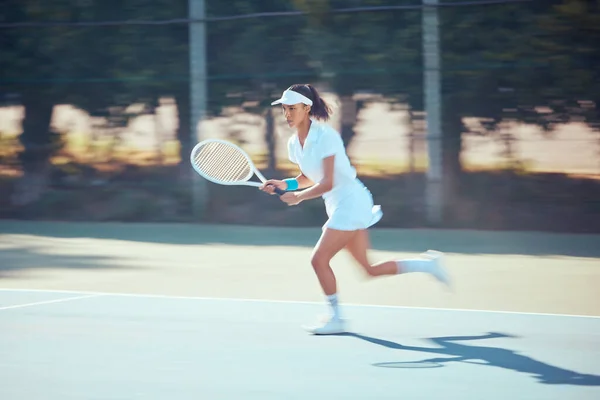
(326, 171)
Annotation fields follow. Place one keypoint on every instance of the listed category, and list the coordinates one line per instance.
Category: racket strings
(223, 162)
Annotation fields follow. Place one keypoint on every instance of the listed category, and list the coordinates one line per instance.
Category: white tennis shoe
(438, 270)
(331, 326)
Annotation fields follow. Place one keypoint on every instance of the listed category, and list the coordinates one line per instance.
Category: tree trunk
(39, 143)
(271, 140)
(348, 118)
(452, 128)
(182, 99)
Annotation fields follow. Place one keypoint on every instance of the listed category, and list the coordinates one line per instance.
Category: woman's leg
(359, 245)
(329, 244)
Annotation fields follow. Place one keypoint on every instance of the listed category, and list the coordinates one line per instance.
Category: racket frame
(246, 182)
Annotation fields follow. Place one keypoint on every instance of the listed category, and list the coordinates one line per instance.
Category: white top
(323, 141)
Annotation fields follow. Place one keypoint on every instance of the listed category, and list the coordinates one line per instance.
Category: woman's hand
(270, 185)
(291, 198)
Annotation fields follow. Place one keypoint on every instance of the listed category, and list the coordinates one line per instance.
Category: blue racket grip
(278, 191)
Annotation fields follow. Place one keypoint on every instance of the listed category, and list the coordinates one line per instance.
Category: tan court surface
(502, 271)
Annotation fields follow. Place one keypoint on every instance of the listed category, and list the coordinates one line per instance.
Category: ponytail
(320, 109)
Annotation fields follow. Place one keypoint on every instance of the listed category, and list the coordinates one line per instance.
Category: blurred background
(102, 101)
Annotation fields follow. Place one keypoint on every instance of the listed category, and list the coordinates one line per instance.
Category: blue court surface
(71, 345)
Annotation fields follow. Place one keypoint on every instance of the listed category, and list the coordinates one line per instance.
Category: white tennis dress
(349, 204)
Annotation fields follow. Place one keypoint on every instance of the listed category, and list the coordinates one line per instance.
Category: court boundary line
(38, 303)
(275, 301)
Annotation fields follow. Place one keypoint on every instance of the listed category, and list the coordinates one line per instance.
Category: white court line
(49, 301)
(275, 301)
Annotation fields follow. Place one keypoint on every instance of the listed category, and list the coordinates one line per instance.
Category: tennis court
(111, 311)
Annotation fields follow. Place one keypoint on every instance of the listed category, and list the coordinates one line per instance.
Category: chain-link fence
(97, 111)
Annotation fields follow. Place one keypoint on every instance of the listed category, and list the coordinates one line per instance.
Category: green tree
(250, 61)
(568, 44)
(38, 65)
(96, 68)
(373, 52)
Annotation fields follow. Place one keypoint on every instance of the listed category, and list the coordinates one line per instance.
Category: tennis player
(326, 171)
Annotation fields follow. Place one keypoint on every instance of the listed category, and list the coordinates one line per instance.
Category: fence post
(432, 97)
(198, 91)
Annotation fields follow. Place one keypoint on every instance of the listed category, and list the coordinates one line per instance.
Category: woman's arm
(324, 186)
(270, 184)
(303, 181)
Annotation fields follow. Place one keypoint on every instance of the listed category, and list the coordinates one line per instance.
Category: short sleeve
(291, 150)
(330, 144)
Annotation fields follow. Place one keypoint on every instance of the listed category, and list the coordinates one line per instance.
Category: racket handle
(277, 190)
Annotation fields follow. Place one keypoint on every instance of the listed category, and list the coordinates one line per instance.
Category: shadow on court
(35, 257)
(395, 240)
(485, 356)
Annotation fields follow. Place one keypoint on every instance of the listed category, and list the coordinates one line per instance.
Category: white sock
(333, 303)
(414, 265)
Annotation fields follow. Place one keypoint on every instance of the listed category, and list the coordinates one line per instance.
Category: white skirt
(352, 212)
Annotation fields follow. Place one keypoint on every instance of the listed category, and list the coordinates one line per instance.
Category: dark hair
(320, 109)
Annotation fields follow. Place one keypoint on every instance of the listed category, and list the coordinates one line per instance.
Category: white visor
(290, 97)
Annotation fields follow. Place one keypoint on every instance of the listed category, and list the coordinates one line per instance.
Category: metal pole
(198, 93)
(432, 92)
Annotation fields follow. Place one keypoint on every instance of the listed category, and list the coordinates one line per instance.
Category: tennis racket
(225, 163)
